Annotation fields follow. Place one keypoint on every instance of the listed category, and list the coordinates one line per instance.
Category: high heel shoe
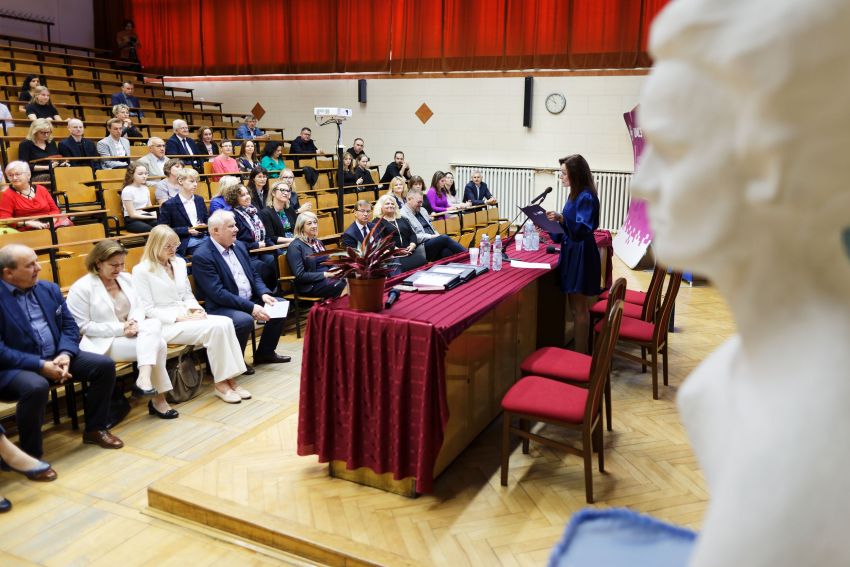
(170, 414)
(42, 472)
(5, 505)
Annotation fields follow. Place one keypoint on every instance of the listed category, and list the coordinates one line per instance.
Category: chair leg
(523, 425)
(643, 355)
(587, 453)
(654, 364)
(506, 437)
(71, 402)
(600, 455)
(54, 405)
(664, 362)
(609, 418)
(297, 317)
(253, 341)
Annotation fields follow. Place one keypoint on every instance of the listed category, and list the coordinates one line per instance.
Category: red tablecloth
(373, 391)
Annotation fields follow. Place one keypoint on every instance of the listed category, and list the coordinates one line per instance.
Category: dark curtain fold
(399, 36)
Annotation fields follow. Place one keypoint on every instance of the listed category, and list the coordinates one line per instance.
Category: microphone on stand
(392, 297)
(541, 197)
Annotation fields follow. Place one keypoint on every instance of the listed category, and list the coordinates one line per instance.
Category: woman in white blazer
(112, 322)
(161, 282)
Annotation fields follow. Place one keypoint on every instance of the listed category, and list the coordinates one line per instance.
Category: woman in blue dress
(580, 266)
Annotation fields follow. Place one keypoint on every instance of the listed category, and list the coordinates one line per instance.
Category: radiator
(516, 186)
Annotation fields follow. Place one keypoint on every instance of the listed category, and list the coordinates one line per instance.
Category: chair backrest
(600, 365)
(70, 270)
(68, 236)
(617, 293)
(653, 294)
(452, 225)
(662, 321)
(70, 180)
(326, 225)
(286, 282)
(467, 239)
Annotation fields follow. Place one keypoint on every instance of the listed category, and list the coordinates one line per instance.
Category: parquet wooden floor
(234, 468)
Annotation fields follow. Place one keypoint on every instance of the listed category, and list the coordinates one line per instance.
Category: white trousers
(147, 349)
(217, 335)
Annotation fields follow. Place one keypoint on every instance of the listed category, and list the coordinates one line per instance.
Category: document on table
(534, 265)
(278, 310)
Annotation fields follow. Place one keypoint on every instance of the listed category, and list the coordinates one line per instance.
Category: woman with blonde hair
(41, 107)
(398, 189)
(279, 215)
(218, 201)
(311, 277)
(163, 285)
(39, 144)
(122, 112)
(112, 322)
(392, 223)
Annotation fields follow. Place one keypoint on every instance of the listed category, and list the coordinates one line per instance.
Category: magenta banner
(634, 237)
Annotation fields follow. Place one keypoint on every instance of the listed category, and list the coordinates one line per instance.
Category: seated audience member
(218, 202)
(416, 183)
(454, 194)
(180, 144)
(360, 228)
(258, 187)
(205, 142)
(31, 82)
(477, 192)
(304, 145)
(311, 277)
(122, 113)
(288, 176)
(249, 156)
(155, 159)
(349, 177)
(136, 197)
(39, 145)
(356, 148)
(168, 187)
(22, 199)
(39, 345)
(6, 117)
(279, 215)
(273, 159)
(436, 245)
(125, 96)
(398, 189)
(186, 213)
(438, 198)
(112, 322)
(16, 460)
(114, 145)
(402, 232)
(76, 146)
(248, 130)
(161, 282)
(252, 233)
(41, 107)
(224, 162)
(225, 277)
(363, 176)
(398, 167)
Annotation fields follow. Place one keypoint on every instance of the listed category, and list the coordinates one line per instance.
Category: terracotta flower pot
(366, 295)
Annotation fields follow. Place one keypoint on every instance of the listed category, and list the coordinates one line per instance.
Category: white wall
(74, 20)
(476, 120)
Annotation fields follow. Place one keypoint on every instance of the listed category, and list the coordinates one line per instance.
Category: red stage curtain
(399, 36)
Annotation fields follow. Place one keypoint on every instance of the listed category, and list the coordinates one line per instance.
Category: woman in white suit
(162, 284)
(112, 322)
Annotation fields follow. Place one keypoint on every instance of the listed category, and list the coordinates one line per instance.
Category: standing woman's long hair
(579, 174)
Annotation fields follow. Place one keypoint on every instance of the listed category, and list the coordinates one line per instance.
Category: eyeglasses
(283, 189)
(363, 212)
(172, 246)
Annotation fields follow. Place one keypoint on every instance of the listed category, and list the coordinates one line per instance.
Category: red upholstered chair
(571, 366)
(650, 336)
(639, 297)
(535, 398)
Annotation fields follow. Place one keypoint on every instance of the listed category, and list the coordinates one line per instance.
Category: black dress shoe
(5, 505)
(170, 414)
(270, 358)
(42, 472)
(249, 371)
(143, 393)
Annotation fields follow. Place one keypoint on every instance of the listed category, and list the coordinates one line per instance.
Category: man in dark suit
(225, 278)
(185, 211)
(477, 191)
(126, 97)
(359, 229)
(77, 146)
(38, 345)
(180, 144)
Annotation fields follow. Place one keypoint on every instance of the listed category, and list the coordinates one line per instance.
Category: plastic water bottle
(497, 253)
(535, 238)
(484, 252)
(526, 235)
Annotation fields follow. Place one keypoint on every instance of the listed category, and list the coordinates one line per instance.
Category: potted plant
(366, 268)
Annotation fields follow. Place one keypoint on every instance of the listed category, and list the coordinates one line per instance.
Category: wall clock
(555, 103)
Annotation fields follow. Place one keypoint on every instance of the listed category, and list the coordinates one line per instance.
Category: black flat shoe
(170, 414)
(143, 393)
(5, 506)
(42, 472)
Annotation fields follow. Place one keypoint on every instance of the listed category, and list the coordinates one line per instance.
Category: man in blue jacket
(225, 279)
(39, 344)
(477, 191)
(126, 97)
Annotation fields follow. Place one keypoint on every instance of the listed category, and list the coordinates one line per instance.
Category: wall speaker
(361, 90)
(526, 102)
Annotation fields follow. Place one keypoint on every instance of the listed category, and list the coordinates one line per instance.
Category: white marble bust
(747, 177)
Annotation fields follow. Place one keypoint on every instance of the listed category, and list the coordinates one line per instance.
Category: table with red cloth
(373, 389)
